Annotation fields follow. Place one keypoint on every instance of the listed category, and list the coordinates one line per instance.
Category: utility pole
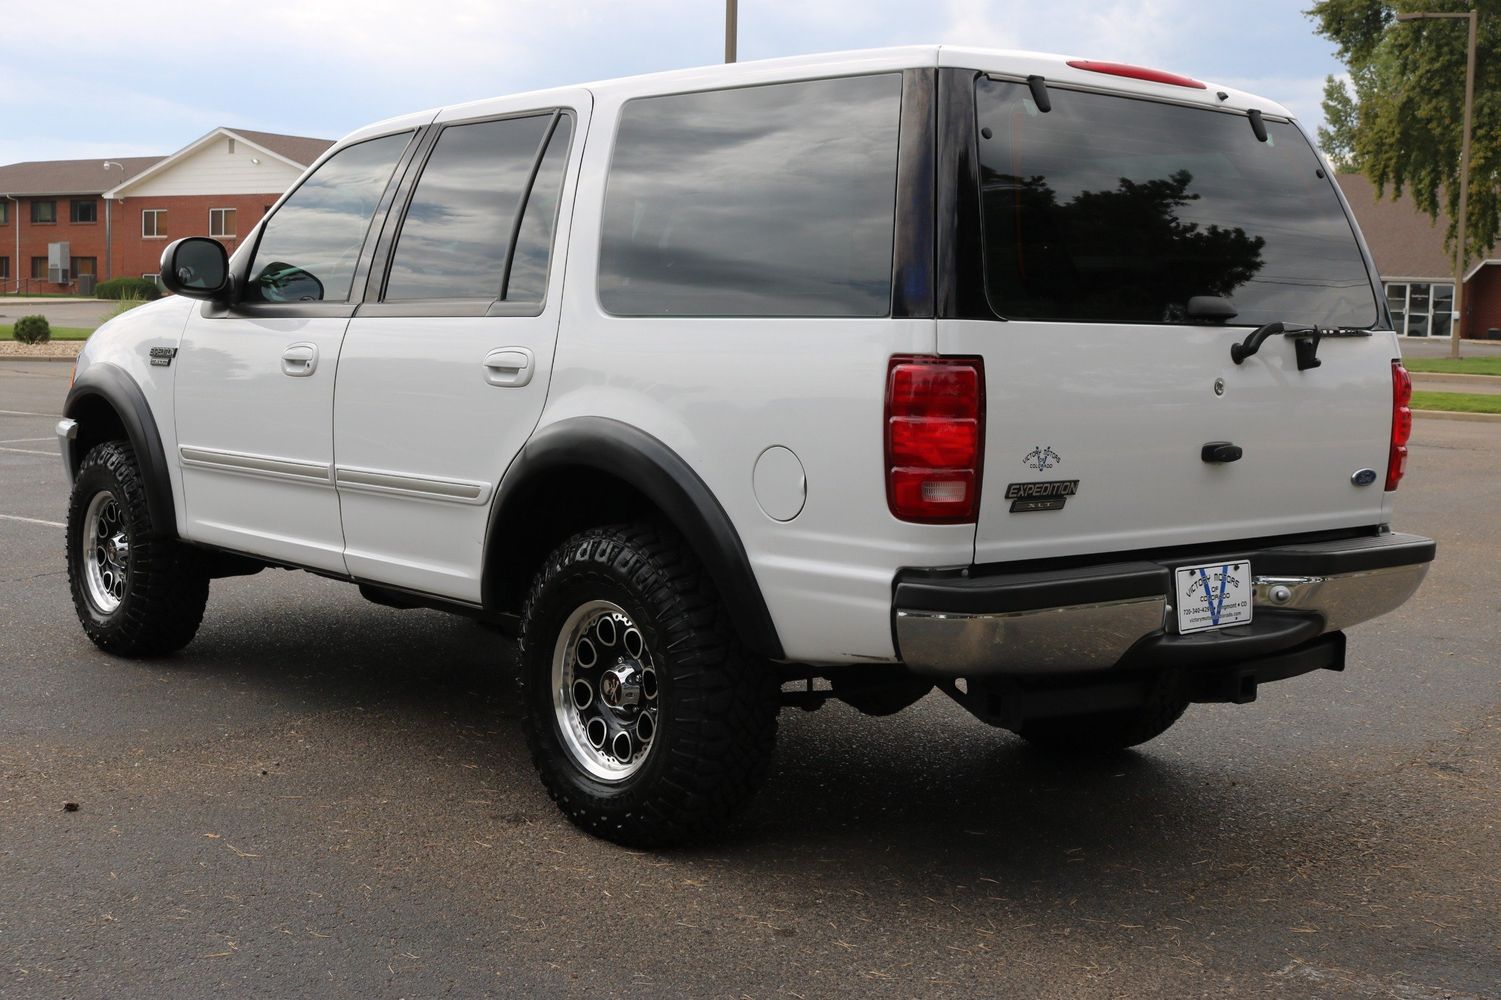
(731, 16)
(1460, 255)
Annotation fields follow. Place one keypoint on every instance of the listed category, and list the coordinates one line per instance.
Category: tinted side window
(454, 238)
(761, 201)
(1120, 210)
(528, 278)
(309, 248)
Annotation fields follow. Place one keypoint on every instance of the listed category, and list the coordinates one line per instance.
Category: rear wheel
(1105, 732)
(649, 722)
(137, 592)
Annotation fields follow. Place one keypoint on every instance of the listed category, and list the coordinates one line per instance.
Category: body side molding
(612, 448)
(109, 384)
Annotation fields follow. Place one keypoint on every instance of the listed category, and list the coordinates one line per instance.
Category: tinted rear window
(1119, 210)
(761, 201)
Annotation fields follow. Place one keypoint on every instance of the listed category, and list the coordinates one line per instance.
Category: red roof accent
(1137, 73)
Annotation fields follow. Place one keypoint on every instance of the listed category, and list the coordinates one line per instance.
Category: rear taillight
(1396, 461)
(935, 437)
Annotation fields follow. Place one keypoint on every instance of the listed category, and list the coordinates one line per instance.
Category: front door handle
(299, 360)
(509, 367)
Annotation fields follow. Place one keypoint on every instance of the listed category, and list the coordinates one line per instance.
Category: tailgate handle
(1221, 451)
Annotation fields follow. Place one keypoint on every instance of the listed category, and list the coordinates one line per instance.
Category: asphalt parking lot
(321, 797)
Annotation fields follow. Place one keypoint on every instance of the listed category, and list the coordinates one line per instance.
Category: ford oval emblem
(1364, 477)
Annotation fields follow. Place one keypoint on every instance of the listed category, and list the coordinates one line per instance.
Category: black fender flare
(658, 473)
(110, 384)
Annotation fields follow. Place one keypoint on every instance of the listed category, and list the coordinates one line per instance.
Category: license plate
(1214, 596)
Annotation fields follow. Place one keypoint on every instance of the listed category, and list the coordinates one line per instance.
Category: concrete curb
(37, 357)
(1484, 418)
(1456, 378)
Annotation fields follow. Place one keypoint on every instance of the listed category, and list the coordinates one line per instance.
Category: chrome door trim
(415, 487)
(264, 466)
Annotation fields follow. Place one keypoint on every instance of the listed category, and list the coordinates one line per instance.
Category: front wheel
(137, 591)
(648, 721)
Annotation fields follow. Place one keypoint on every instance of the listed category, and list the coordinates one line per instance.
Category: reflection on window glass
(453, 241)
(1119, 210)
(762, 201)
(534, 242)
(310, 247)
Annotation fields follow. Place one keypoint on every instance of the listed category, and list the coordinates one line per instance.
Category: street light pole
(731, 17)
(1460, 255)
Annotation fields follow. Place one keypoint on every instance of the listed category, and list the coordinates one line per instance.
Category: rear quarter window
(760, 201)
(1114, 209)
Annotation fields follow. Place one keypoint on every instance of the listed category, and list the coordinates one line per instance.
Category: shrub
(127, 288)
(33, 330)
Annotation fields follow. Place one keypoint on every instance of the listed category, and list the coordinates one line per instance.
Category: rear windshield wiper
(1305, 341)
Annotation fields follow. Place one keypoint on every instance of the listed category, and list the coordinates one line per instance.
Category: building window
(1421, 309)
(4, 267)
(4, 213)
(154, 223)
(43, 212)
(85, 265)
(39, 269)
(155, 277)
(83, 210)
(221, 222)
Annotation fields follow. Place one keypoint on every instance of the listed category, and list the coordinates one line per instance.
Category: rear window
(1111, 209)
(761, 201)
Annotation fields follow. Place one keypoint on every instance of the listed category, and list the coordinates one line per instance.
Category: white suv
(1065, 387)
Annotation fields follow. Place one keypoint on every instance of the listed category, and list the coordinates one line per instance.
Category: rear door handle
(509, 367)
(299, 360)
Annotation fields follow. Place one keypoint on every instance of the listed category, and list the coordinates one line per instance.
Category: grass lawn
(58, 333)
(1462, 402)
(1455, 366)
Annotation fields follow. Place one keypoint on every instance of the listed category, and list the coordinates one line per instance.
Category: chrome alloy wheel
(604, 691)
(106, 552)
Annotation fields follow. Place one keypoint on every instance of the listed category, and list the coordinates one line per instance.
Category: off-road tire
(717, 702)
(166, 584)
(1106, 732)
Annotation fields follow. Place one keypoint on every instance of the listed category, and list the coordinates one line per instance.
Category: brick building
(1417, 273)
(65, 219)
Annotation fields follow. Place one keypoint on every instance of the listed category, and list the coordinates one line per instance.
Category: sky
(150, 78)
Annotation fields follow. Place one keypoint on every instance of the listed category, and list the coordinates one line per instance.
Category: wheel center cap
(621, 686)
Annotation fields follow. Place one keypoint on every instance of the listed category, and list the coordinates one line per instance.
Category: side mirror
(196, 267)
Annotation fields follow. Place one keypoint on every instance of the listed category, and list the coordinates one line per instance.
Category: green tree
(1402, 124)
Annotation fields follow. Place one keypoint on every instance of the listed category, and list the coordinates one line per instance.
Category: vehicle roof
(1053, 67)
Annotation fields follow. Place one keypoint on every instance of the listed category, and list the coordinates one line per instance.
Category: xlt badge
(1026, 497)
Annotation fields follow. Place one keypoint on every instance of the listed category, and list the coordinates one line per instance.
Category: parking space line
(24, 440)
(32, 520)
(28, 451)
(28, 413)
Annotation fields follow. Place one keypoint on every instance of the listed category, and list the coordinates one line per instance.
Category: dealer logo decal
(1042, 458)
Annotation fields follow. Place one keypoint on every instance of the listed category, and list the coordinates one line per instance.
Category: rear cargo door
(1126, 244)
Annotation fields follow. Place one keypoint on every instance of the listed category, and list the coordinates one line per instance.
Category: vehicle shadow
(927, 794)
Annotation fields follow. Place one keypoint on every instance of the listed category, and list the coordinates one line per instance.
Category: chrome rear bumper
(956, 636)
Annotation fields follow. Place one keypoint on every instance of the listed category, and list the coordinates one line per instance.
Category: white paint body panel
(232, 396)
(413, 399)
(1129, 408)
(126, 342)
